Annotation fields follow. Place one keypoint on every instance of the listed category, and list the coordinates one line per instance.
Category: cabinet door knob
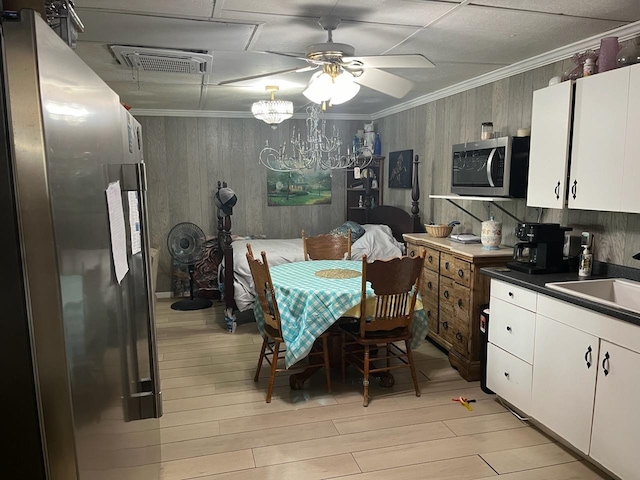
(429, 313)
(461, 273)
(412, 253)
(557, 191)
(430, 259)
(587, 357)
(429, 285)
(605, 364)
(459, 303)
(445, 325)
(510, 294)
(446, 265)
(574, 189)
(446, 294)
(459, 336)
(506, 374)
(508, 328)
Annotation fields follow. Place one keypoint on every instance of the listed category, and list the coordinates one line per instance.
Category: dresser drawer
(414, 250)
(516, 295)
(509, 377)
(431, 309)
(454, 268)
(512, 329)
(432, 259)
(455, 299)
(429, 285)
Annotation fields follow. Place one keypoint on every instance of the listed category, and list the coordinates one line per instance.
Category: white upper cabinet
(631, 170)
(599, 134)
(550, 136)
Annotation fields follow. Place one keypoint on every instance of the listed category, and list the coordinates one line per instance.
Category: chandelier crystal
(318, 151)
(272, 112)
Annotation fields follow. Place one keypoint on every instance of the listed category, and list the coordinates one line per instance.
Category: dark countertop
(537, 284)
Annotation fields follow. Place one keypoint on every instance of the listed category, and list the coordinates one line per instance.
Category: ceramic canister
(491, 235)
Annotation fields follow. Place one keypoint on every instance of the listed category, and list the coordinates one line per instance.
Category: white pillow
(377, 243)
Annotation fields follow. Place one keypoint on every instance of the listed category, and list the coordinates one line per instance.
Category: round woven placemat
(338, 273)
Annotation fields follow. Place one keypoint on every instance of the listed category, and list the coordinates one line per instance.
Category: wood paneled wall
(187, 156)
(431, 129)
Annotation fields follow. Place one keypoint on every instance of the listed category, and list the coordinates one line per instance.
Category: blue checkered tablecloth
(310, 304)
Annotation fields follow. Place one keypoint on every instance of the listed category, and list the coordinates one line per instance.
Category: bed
(384, 226)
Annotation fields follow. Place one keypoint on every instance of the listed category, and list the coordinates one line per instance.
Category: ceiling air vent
(165, 61)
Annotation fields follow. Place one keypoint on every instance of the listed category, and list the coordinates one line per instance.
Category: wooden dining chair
(271, 345)
(384, 319)
(327, 247)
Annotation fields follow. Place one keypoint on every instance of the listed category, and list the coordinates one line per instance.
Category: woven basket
(439, 231)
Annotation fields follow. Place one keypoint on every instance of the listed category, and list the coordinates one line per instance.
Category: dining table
(313, 295)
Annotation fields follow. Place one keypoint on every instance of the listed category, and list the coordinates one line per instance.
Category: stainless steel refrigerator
(81, 394)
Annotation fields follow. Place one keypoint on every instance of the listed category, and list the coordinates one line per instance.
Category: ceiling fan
(339, 58)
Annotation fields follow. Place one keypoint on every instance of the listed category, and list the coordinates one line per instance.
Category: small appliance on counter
(540, 250)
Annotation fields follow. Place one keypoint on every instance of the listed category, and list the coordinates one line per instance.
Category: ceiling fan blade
(384, 82)
(299, 56)
(270, 74)
(391, 61)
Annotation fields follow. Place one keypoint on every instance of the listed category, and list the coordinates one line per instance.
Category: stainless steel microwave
(496, 167)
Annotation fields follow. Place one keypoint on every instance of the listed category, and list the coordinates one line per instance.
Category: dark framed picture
(400, 169)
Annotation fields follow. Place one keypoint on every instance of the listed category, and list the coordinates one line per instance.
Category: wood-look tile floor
(216, 424)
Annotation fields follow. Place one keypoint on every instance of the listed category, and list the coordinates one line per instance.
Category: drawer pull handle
(446, 265)
(587, 357)
(605, 364)
(429, 285)
(511, 294)
(459, 303)
(574, 189)
(509, 329)
(446, 294)
(557, 191)
(430, 259)
(461, 273)
(459, 336)
(412, 253)
(506, 374)
(445, 325)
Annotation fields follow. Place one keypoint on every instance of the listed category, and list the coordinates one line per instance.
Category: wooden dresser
(453, 290)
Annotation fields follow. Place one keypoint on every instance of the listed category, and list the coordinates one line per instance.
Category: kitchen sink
(615, 292)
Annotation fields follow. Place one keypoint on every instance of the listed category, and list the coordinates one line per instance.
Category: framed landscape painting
(400, 169)
(298, 188)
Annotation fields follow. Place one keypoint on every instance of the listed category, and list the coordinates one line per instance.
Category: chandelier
(332, 86)
(272, 111)
(318, 151)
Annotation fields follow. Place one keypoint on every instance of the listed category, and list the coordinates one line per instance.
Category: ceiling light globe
(320, 88)
(344, 89)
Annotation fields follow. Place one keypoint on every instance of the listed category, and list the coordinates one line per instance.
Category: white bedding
(377, 243)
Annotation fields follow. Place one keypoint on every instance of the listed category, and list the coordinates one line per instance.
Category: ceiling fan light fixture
(319, 88)
(332, 85)
(272, 112)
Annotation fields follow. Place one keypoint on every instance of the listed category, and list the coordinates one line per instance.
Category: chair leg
(327, 367)
(343, 364)
(274, 365)
(365, 382)
(264, 349)
(412, 367)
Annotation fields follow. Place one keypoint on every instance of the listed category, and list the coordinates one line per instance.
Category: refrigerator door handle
(151, 391)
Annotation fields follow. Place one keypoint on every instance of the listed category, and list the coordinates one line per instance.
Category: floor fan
(186, 246)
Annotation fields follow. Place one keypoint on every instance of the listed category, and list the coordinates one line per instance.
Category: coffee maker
(540, 250)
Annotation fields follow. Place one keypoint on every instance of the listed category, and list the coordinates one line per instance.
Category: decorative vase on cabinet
(607, 58)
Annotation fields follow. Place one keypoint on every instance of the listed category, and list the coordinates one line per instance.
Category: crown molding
(144, 112)
(623, 33)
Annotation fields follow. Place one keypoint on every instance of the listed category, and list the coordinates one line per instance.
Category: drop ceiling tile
(235, 65)
(149, 95)
(500, 36)
(627, 10)
(163, 32)
(184, 8)
(396, 12)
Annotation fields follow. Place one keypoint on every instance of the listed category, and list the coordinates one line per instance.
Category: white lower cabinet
(583, 380)
(616, 418)
(564, 380)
